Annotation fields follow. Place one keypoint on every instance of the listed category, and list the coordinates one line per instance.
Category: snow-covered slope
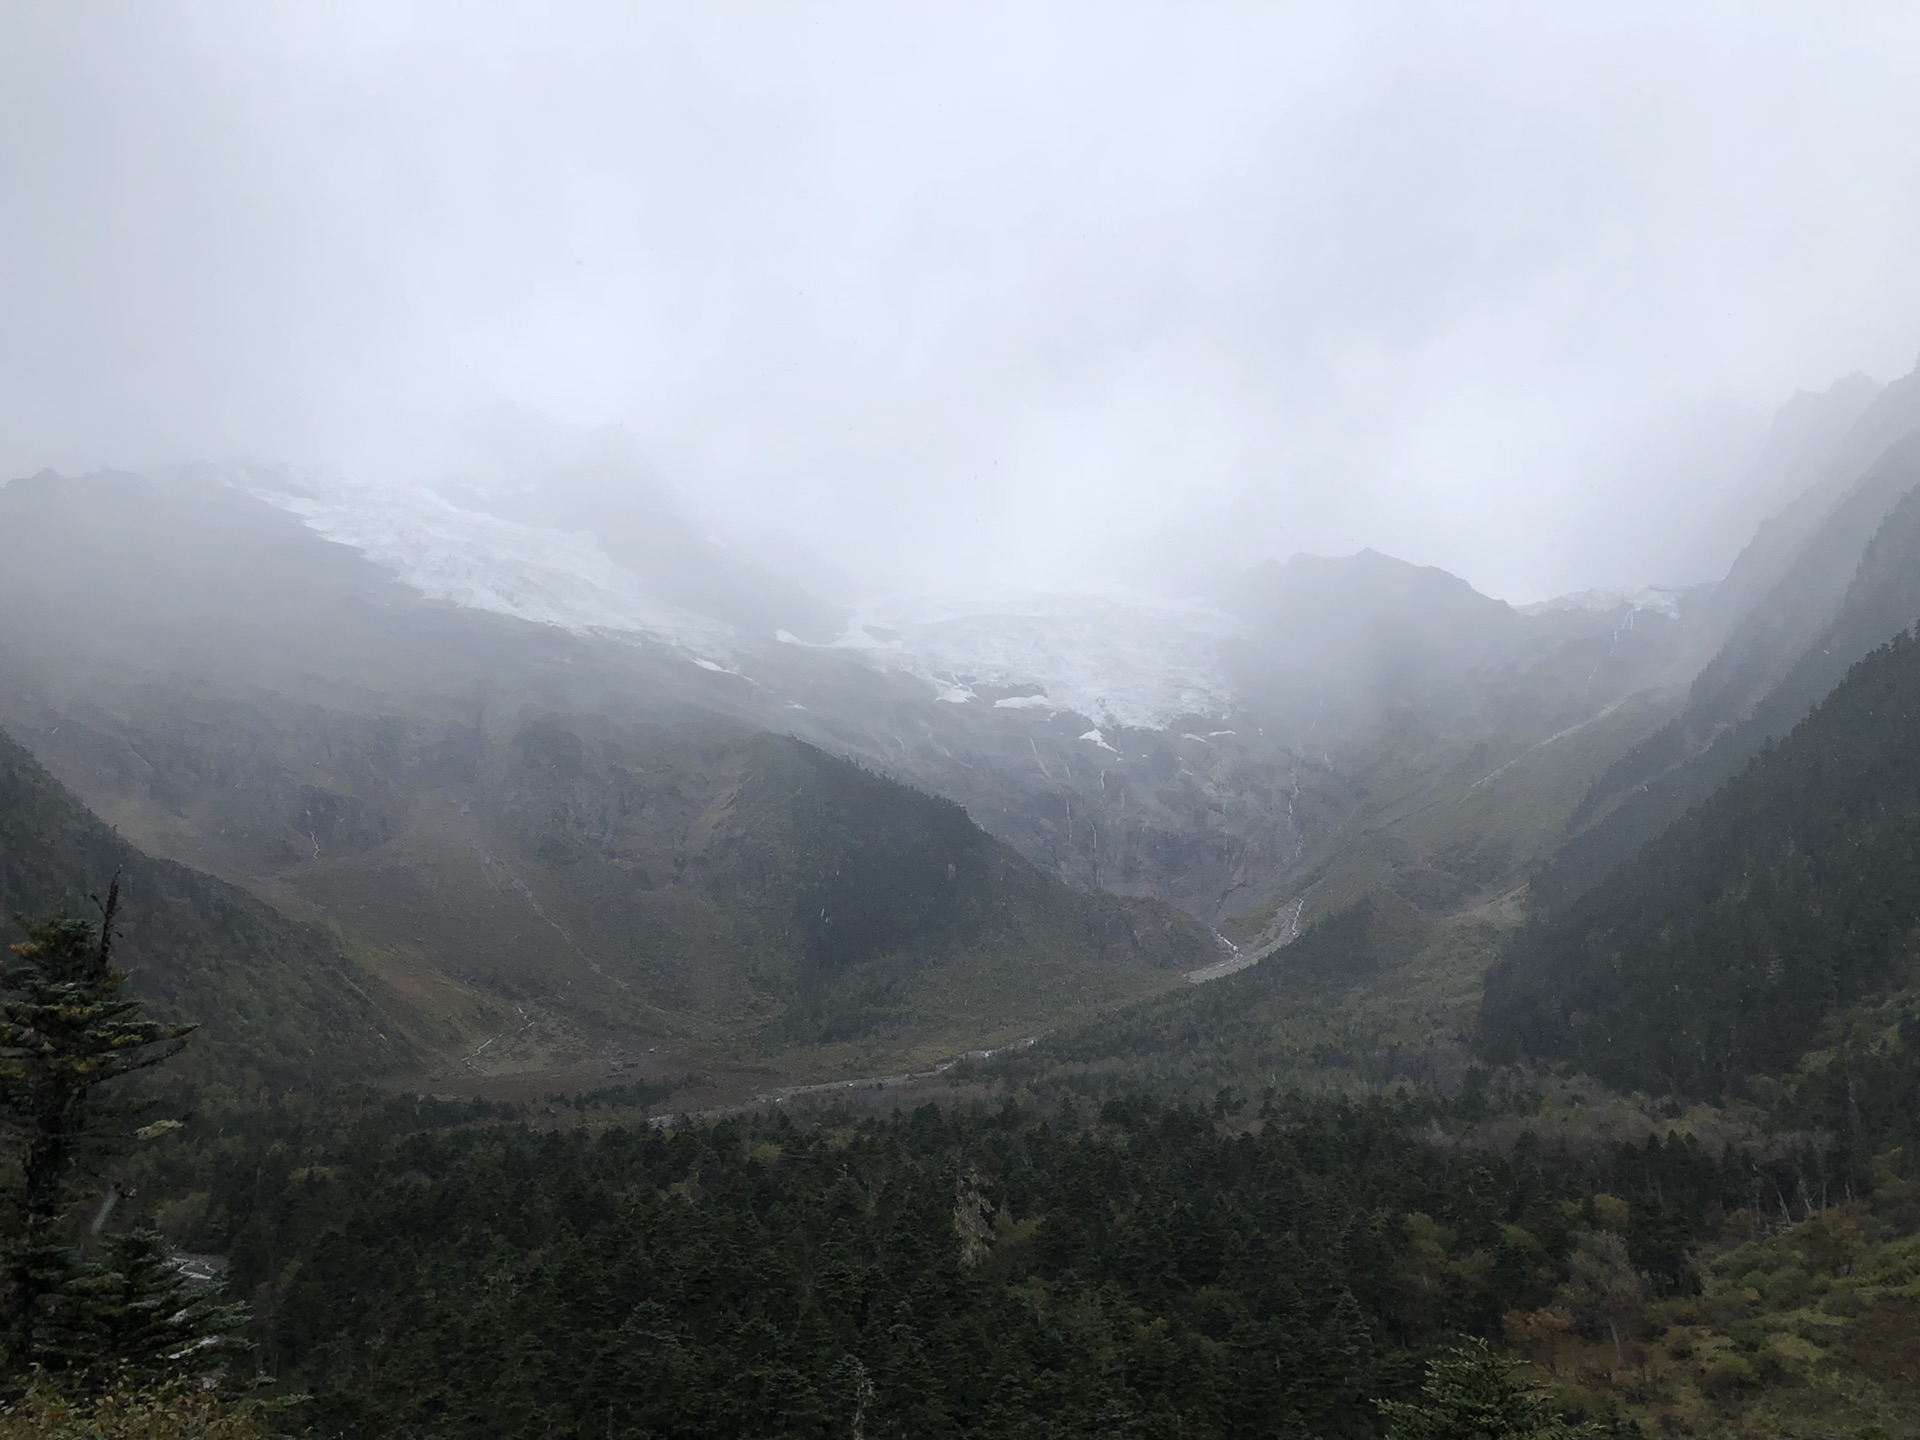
(466, 557)
(1119, 662)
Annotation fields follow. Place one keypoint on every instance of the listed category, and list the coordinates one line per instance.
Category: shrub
(175, 1410)
(1726, 1377)
(1845, 1303)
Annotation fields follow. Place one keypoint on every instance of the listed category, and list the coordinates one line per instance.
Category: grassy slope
(270, 994)
(1456, 822)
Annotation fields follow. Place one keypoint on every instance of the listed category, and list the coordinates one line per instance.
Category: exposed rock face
(1340, 673)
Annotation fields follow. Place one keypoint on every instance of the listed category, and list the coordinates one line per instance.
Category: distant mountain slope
(1803, 436)
(601, 884)
(1354, 648)
(1816, 450)
(113, 575)
(271, 995)
(1718, 950)
(1806, 597)
(1655, 782)
(1845, 458)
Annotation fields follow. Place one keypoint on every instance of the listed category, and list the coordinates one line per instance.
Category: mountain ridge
(1767, 679)
(1717, 951)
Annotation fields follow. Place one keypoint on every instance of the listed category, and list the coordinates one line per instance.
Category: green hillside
(1719, 950)
(569, 891)
(884, 899)
(271, 995)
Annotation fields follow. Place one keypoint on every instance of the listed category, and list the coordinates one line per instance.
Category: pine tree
(134, 1314)
(1473, 1394)
(66, 1030)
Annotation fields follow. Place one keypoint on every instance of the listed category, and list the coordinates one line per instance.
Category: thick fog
(974, 297)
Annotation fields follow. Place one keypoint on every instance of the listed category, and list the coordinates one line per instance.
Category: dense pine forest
(1726, 948)
(1142, 1269)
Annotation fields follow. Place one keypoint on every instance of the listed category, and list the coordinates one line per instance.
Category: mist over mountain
(948, 721)
(578, 786)
(1198, 751)
(1820, 585)
(1160, 748)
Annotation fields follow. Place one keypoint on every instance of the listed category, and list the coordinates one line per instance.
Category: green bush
(1726, 1376)
(1845, 1303)
(1788, 1288)
(176, 1410)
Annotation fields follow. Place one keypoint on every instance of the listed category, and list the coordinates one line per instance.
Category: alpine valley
(640, 996)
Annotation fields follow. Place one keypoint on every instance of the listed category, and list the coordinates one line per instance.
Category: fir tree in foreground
(132, 1313)
(66, 1033)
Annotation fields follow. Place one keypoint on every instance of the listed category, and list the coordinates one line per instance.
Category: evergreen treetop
(66, 1029)
(1474, 1394)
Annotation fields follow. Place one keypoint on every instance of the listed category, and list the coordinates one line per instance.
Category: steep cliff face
(1817, 447)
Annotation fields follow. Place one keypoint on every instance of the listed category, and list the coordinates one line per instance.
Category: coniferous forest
(1139, 1269)
(1721, 950)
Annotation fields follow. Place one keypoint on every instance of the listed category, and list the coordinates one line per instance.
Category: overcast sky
(979, 296)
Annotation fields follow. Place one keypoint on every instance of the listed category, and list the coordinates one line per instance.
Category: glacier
(469, 558)
(1121, 662)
